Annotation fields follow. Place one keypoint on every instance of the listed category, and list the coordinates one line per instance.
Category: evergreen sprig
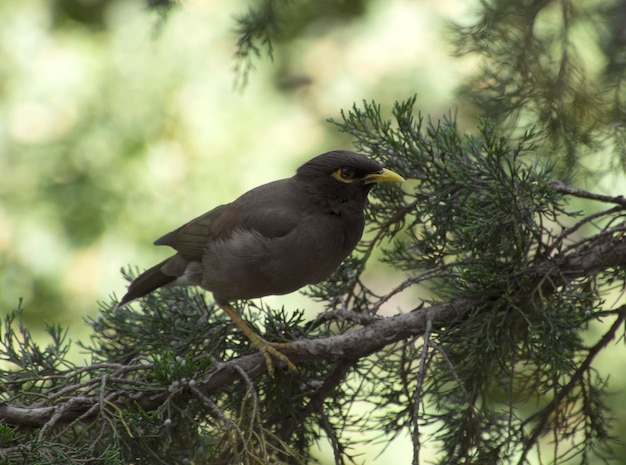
(491, 355)
(557, 66)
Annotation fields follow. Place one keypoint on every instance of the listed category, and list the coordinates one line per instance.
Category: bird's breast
(248, 265)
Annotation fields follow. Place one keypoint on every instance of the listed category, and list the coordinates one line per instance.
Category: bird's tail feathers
(151, 279)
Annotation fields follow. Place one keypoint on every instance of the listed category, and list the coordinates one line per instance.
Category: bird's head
(342, 176)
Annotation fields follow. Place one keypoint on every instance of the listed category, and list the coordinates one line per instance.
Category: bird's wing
(191, 238)
(273, 210)
(270, 210)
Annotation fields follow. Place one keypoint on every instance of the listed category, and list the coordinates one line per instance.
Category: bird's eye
(348, 173)
(345, 175)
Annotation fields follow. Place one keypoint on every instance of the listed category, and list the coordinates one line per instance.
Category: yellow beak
(384, 175)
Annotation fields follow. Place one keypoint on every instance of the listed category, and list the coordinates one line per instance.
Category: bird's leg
(267, 349)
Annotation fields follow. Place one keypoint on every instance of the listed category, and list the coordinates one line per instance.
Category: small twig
(544, 414)
(569, 231)
(255, 399)
(343, 314)
(425, 276)
(417, 396)
(91, 383)
(71, 404)
(562, 188)
(453, 372)
(121, 417)
(108, 400)
(248, 381)
(621, 228)
(332, 437)
(317, 398)
(103, 386)
(217, 412)
(380, 233)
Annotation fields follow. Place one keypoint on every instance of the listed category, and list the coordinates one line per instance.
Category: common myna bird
(272, 240)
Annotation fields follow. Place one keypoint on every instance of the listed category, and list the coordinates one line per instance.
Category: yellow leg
(267, 349)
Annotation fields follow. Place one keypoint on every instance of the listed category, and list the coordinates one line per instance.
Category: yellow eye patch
(345, 175)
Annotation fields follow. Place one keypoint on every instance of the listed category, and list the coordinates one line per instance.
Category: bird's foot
(272, 349)
(267, 349)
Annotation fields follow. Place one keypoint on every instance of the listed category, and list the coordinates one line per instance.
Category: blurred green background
(116, 126)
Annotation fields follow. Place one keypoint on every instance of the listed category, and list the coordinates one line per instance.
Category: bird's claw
(267, 349)
(272, 349)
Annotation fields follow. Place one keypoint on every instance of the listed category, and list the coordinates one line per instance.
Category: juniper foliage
(558, 66)
(503, 282)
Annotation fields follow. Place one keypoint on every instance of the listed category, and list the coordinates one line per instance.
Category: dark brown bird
(273, 239)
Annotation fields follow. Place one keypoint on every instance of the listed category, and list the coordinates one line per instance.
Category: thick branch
(600, 253)
(353, 345)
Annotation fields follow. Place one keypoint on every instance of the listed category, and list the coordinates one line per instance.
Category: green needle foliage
(556, 65)
(491, 362)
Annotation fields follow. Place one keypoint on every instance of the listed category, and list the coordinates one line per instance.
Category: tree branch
(568, 190)
(541, 418)
(599, 253)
